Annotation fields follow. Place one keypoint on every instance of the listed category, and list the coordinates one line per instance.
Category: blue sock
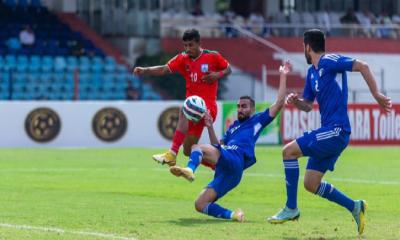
(326, 190)
(215, 210)
(292, 178)
(195, 159)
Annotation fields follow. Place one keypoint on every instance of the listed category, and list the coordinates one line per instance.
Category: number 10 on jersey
(193, 77)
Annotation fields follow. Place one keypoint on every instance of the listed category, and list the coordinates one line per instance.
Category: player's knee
(310, 185)
(287, 152)
(199, 206)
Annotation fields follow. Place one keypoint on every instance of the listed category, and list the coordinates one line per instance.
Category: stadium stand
(61, 64)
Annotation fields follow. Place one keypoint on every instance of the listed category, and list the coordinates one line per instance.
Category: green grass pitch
(122, 194)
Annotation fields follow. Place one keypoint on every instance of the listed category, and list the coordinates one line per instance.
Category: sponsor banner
(91, 123)
(369, 124)
(270, 135)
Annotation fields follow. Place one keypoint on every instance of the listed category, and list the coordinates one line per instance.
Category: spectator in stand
(366, 19)
(257, 23)
(131, 92)
(197, 11)
(386, 28)
(27, 37)
(350, 19)
(324, 20)
(227, 22)
(268, 31)
(396, 24)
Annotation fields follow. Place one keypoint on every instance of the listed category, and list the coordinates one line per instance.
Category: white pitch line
(64, 231)
(271, 175)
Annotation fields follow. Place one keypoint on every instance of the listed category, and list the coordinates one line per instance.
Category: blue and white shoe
(284, 215)
(360, 206)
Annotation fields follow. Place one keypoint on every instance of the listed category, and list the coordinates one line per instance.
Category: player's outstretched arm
(363, 68)
(280, 100)
(208, 121)
(152, 71)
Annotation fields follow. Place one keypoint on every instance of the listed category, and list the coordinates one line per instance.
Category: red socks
(177, 141)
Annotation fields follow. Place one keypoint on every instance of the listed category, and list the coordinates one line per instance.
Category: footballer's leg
(224, 181)
(169, 157)
(291, 152)
(189, 141)
(205, 203)
(200, 152)
(193, 136)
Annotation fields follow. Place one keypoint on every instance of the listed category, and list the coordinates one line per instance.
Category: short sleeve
(339, 63)
(220, 62)
(175, 64)
(308, 93)
(265, 118)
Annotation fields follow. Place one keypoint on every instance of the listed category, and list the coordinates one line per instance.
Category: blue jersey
(242, 136)
(328, 83)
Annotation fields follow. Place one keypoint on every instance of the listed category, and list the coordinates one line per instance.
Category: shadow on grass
(198, 221)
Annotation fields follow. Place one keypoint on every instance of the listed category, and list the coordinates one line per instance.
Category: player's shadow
(197, 221)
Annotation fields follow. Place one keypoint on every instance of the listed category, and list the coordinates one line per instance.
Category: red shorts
(196, 129)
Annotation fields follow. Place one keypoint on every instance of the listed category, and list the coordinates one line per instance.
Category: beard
(308, 58)
(242, 117)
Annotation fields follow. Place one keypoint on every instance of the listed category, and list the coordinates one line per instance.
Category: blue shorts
(228, 171)
(324, 147)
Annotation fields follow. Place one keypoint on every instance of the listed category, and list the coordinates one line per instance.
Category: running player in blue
(327, 82)
(233, 154)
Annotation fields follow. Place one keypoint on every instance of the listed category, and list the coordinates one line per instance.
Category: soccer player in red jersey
(201, 69)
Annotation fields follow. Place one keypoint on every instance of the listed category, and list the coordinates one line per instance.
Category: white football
(194, 108)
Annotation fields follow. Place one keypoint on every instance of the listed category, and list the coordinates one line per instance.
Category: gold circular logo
(168, 121)
(42, 124)
(109, 124)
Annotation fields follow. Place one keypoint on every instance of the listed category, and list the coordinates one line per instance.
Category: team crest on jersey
(204, 68)
(321, 71)
(187, 68)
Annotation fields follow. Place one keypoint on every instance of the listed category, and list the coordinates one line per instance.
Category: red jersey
(194, 69)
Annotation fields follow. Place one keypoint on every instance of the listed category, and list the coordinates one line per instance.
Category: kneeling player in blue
(233, 154)
(327, 82)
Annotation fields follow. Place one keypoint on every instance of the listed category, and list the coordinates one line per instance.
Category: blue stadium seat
(84, 59)
(45, 77)
(33, 77)
(108, 77)
(35, 59)
(60, 64)
(72, 63)
(122, 68)
(97, 59)
(84, 67)
(34, 67)
(5, 76)
(47, 63)
(97, 67)
(22, 59)
(19, 77)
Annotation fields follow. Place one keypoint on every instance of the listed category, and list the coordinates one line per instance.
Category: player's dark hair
(191, 34)
(315, 38)
(252, 102)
